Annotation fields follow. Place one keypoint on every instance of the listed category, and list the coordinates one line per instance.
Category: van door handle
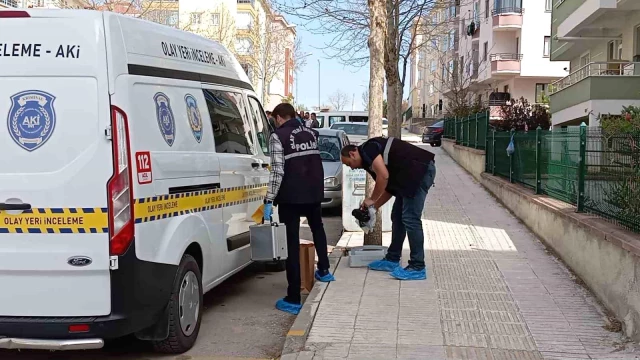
(265, 166)
(255, 165)
(11, 207)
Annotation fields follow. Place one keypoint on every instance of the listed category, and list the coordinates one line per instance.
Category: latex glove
(268, 211)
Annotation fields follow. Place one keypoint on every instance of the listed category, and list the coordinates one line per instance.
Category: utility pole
(318, 85)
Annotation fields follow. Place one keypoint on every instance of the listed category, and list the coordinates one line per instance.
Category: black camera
(361, 215)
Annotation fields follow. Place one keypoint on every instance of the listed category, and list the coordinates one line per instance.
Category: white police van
(132, 158)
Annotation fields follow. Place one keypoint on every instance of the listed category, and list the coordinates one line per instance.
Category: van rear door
(55, 164)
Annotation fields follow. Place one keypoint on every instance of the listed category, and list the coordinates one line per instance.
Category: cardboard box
(307, 265)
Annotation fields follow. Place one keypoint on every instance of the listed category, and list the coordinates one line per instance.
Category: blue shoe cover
(285, 306)
(328, 277)
(409, 273)
(384, 265)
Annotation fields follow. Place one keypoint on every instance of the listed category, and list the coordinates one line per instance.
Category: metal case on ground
(268, 242)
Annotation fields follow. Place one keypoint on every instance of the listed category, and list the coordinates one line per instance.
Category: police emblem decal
(193, 114)
(32, 118)
(166, 120)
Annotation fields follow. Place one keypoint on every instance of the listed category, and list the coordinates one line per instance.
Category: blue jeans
(406, 221)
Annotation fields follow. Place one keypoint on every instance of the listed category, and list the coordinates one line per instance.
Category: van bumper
(140, 293)
(59, 345)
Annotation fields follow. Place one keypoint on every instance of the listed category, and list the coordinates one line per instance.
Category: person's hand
(367, 203)
(268, 211)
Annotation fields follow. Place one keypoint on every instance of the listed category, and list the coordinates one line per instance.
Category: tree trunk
(391, 67)
(378, 13)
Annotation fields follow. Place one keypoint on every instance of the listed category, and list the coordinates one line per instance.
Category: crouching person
(296, 186)
(407, 172)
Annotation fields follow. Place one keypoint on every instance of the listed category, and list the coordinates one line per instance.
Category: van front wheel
(185, 309)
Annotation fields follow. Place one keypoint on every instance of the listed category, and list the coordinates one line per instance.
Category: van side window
(320, 120)
(231, 131)
(263, 128)
(335, 119)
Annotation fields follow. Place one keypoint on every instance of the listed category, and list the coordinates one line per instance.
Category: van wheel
(185, 309)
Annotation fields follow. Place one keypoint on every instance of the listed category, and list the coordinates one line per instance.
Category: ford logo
(79, 261)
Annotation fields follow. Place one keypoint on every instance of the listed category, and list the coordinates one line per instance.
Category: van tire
(177, 342)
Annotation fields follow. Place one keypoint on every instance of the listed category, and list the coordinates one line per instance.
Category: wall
(472, 160)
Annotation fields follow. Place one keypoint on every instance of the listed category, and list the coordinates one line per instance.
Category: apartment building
(280, 58)
(8, 4)
(601, 40)
(501, 52)
(431, 62)
(505, 49)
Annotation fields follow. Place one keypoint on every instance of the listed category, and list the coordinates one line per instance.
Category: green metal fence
(469, 131)
(581, 166)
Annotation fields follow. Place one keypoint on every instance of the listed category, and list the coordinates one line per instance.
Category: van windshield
(351, 129)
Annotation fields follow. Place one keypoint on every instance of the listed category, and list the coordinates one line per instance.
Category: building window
(486, 51)
(434, 66)
(486, 9)
(546, 50)
(548, 5)
(244, 46)
(541, 92)
(430, 89)
(215, 19)
(196, 18)
(244, 20)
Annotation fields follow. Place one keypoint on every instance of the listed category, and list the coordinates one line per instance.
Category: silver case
(268, 242)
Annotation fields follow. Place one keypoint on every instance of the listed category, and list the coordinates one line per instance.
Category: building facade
(489, 53)
(280, 59)
(601, 41)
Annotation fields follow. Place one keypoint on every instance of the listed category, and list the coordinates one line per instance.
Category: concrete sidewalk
(493, 292)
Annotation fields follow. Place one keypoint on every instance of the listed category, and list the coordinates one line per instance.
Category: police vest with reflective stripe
(303, 181)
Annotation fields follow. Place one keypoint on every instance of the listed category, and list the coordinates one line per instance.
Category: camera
(361, 215)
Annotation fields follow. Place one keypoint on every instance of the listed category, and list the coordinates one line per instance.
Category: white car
(356, 132)
(134, 158)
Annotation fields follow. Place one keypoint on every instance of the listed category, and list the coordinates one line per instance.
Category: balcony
(8, 3)
(507, 18)
(473, 30)
(598, 88)
(505, 64)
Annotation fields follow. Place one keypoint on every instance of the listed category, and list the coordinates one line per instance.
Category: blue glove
(268, 211)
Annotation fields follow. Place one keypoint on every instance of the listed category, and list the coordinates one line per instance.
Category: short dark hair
(268, 112)
(285, 111)
(313, 113)
(348, 149)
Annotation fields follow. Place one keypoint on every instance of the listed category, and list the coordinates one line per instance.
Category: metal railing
(508, 10)
(611, 68)
(10, 3)
(596, 173)
(505, 56)
(468, 131)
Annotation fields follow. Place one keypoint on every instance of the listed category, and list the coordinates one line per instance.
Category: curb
(297, 335)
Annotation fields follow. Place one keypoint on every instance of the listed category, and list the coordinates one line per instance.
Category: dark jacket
(303, 180)
(407, 164)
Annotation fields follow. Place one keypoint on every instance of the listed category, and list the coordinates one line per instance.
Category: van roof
(151, 48)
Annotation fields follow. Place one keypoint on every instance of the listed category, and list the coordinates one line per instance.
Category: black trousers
(290, 215)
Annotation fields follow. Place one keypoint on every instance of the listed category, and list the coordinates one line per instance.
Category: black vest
(407, 164)
(303, 181)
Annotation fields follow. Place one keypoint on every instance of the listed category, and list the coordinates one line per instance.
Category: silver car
(330, 142)
(356, 132)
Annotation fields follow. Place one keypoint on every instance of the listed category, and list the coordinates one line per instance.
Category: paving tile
(493, 292)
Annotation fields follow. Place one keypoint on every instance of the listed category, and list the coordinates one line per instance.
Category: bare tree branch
(338, 100)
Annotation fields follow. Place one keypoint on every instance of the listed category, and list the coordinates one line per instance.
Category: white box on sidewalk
(361, 256)
(268, 242)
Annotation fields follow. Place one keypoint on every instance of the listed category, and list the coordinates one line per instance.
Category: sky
(333, 74)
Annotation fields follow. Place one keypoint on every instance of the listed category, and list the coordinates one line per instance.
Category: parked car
(385, 127)
(330, 142)
(356, 132)
(433, 134)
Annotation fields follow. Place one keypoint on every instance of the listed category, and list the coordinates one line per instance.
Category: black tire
(276, 266)
(177, 342)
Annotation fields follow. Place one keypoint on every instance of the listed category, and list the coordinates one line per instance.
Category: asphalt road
(239, 321)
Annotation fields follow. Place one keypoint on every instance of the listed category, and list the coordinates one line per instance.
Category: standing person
(314, 121)
(296, 185)
(407, 172)
(306, 115)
